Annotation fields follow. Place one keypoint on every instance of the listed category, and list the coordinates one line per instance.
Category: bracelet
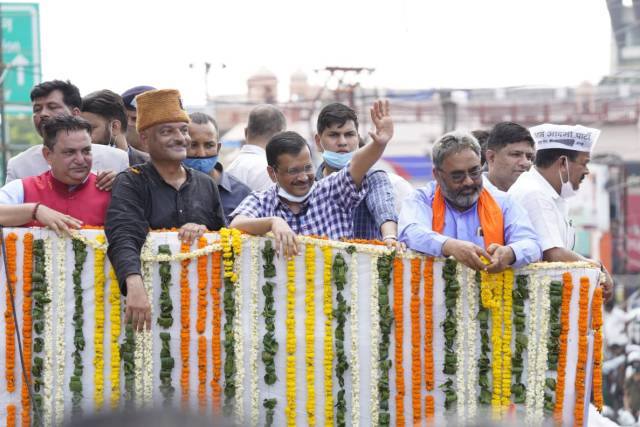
(390, 236)
(35, 211)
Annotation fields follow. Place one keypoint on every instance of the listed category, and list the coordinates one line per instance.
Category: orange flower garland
(11, 415)
(185, 333)
(578, 409)
(416, 376)
(200, 326)
(10, 343)
(567, 287)
(398, 270)
(428, 338)
(27, 324)
(596, 325)
(216, 284)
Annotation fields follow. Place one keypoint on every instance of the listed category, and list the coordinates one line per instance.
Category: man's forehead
(286, 159)
(463, 159)
(54, 95)
(171, 125)
(347, 126)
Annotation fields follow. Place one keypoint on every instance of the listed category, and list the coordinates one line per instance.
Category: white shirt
(12, 193)
(250, 168)
(31, 162)
(402, 189)
(549, 213)
(488, 184)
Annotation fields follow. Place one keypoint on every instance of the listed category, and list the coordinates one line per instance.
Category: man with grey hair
(250, 167)
(455, 216)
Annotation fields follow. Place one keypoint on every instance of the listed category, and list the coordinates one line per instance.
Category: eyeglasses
(306, 169)
(460, 176)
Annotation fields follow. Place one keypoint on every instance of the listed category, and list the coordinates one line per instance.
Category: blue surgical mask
(337, 160)
(202, 164)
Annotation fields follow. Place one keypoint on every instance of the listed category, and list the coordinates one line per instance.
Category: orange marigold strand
(428, 339)
(567, 288)
(202, 288)
(596, 324)
(398, 269)
(27, 324)
(416, 377)
(578, 411)
(10, 345)
(216, 283)
(11, 415)
(184, 326)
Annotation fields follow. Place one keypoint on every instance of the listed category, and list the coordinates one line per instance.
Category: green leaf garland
(339, 276)
(553, 343)
(75, 383)
(165, 320)
(385, 265)
(484, 361)
(450, 329)
(520, 294)
(269, 343)
(39, 291)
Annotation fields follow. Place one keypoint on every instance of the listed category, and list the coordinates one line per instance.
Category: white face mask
(295, 199)
(566, 189)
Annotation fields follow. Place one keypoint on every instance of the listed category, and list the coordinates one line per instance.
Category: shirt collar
(254, 149)
(320, 172)
(155, 172)
(225, 182)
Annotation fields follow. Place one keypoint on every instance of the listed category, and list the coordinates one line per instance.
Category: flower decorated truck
(344, 334)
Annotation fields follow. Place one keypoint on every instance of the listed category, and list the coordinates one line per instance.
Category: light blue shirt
(416, 218)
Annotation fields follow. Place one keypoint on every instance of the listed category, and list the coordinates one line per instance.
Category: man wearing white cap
(562, 157)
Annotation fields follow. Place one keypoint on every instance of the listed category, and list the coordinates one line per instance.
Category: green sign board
(20, 54)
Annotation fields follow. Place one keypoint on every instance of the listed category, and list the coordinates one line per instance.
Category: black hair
(284, 143)
(335, 114)
(67, 123)
(481, 135)
(107, 104)
(505, 133)
(545, 158)
(265, 121)
(202, 119)
(70, 93)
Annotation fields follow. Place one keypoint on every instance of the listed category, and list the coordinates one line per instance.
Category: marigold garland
(309, 324)
(290, 409)
(416, 372)
(75, 382)
(11, 415)
(200, 327)
(506, 338)
(428, 339)
(27, 324)
(398, 271)
(596, 325)
(327, 308)
(202, 374)
(216, 351)
(10, 331)
(583, 318)
(99, 317)
(114, 317)
(567, 288)
(185, 323)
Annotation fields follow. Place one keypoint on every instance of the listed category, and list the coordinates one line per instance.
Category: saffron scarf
(490, 213)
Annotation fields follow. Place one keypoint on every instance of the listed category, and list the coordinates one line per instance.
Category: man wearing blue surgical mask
(202, 155)
(337, 139)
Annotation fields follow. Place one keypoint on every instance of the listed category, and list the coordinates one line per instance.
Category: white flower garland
(470, 344)
(542, 338)
(238, 346)
(355, 357)
(60, 338)
(253, 309)
(147, 341)
(461, 346)
(47, 373)
(375, 342)
(532, 356)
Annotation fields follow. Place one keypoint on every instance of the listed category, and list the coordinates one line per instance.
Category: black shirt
(141, 199)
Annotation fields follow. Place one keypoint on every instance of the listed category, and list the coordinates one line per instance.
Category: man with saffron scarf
(455, 216)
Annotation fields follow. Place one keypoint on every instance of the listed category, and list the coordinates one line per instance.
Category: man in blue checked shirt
(297, 204)
(337, 139)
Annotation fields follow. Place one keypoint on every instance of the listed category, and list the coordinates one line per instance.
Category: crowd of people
(139, 161)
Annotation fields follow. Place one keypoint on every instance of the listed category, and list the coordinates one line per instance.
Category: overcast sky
(117, 44)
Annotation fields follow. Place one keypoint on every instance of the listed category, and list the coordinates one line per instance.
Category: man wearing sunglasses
(456, 216)
(297, 204)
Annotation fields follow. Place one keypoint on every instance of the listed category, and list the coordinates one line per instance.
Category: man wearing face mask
(202, 155)
(455, 216)
(300, 205)
(562, 157)
(337, 139)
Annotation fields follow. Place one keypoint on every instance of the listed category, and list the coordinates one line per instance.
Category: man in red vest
(69, 187)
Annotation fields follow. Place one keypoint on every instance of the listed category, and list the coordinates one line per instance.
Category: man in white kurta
(562, 156)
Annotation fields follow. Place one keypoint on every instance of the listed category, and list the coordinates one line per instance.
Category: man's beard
(460, 200)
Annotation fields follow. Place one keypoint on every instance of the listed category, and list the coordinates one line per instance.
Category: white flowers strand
(47, 374)
(470, 344)
(147, 342)
(253, 308)
(532, 351)
(355, 334)
(375, 341)
(60, 324)
(461, 344)
(541, 365)
(238, 346)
